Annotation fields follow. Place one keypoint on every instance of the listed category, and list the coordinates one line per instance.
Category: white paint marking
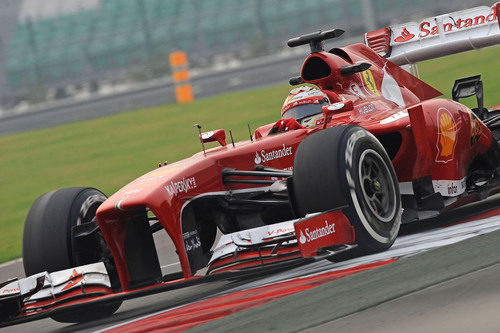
(12, 262)
(175, 263)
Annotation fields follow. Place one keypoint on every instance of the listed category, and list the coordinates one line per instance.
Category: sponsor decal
(188, 234)
(475, 129)
(302, 238)
(192, 244)
(457, 189)
(426, 28)
(370, 82)
(10, 291)
(182, 186)
(449, 188)
(349, 150)
(191, 240)
(398, 115)
(443, 186)
(323, 230)
(316, 233)
(257, 159)
(280, 231)
(306, 94)
(366, 109)
(447, 136)
(356, 90)
(452, 189)
(74, 279)
(404, 37)
(272, 155)
(434, 26)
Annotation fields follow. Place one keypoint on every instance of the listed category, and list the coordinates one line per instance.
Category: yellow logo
(447, 136)
(370, 82)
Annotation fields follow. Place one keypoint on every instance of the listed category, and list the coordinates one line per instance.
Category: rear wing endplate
(438, 36)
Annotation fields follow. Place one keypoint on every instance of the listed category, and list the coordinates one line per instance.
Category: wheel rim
(377, 186)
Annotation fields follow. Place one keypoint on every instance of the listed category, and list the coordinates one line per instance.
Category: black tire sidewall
(316, 172)
(47, 242)
(371, 233)
(320, 182)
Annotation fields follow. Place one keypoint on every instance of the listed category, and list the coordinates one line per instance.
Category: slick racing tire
(47, 240)
(346, 166)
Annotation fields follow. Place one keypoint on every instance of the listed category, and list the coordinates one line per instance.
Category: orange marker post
(183, 88)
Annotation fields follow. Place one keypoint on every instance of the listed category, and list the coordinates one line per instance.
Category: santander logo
(277, 153)
(311, 235)
(257, 160)
(405, 36)
(74, 279)
(302, 238)
(447, 23)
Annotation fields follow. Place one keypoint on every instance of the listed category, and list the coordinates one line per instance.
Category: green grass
(441, 73)
(109, 152)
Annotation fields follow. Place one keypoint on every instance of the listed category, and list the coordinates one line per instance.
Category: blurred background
(74, 50)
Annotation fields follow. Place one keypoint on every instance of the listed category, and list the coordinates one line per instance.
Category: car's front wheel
(47, 240)
(346, 166)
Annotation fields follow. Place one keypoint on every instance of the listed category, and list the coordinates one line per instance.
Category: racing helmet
(303, 102)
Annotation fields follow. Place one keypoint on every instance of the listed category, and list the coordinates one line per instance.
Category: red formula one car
(347, 164)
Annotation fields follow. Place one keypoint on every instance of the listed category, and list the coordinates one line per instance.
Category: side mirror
(357, 68)
(211, 136)
(467, 87)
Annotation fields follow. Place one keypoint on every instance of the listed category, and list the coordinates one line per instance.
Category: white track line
(12, 262)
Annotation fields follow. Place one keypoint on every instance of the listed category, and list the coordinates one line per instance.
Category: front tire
(47, 240)
(346, 166)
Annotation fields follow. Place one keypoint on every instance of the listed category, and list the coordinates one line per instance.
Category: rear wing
(437, 36)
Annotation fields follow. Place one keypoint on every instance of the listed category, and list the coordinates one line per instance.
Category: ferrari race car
(384, 151)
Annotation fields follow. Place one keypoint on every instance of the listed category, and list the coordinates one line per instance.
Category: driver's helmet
(303, 102)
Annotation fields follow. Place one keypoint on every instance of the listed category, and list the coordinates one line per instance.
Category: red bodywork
(435, 137)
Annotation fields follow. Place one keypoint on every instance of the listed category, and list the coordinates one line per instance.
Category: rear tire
(347, 166)
(47, 240)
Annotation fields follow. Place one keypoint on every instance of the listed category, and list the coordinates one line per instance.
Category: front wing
(242, 254)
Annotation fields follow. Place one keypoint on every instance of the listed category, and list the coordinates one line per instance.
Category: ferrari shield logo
(370, 82)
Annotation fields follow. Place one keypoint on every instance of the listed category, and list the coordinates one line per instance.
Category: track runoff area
(425, 254)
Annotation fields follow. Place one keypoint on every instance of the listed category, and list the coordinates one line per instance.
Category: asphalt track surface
(453, 285)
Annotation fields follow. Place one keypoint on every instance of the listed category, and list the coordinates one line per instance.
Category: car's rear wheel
(346, 166)
(47, 240)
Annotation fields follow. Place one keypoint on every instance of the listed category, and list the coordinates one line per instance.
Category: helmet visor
(302, 111)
